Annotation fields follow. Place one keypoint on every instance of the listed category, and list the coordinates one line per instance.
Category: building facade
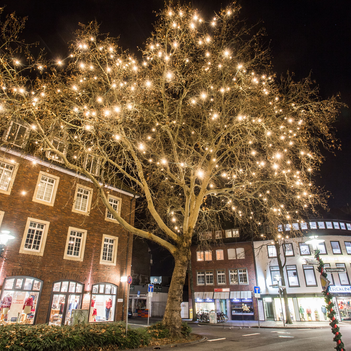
(302, 279)
(68, 252)
(224, 277)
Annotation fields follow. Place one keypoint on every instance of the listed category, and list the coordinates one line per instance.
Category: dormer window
(58, 145)
(17, 134)
(92, 164)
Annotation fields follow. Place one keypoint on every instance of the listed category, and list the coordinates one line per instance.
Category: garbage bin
(213, 317)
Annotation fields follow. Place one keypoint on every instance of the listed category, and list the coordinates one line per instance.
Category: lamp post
(124, 279)
(5, 236)
(280, 290)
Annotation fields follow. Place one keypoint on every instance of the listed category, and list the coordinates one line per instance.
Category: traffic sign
(257, 290)
(150, 288)
(257, 296)
(130, 279)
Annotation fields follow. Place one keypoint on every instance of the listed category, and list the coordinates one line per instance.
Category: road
(265, 339)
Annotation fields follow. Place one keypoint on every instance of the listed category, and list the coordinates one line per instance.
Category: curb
(203, 339)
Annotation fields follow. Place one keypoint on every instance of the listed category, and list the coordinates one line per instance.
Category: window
(8, 172)
(232, 233)
(109, 250)
(275, 274)
(233, 276)
(313, 225)
(329, 275)
(82, 200)
(287, 227)
(46, 188)
(348, 226)
(292, 276)
(218, 234)
(348, 247)
(303, 225)
(288, 249)
(342, 226)
(219, 255)
(220, 277)
(329, 225)
(17, 134)
(208, 255)
(34, 237)
(92, 164)
(336, 247)
(295, 226)
(209, 277)
(205, 236)
(336, 225)
(343, 276)
(231, 254)
(304, 249)
(115, 203)
(243, 277)
(75, 244)
(322, 249)
(272, 252)
(58, 145)
(321, 225)
(199, 255)
(200, 277)
(310, 277)
(240, 253)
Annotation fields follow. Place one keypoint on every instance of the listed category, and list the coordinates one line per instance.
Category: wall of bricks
(51, 266)
(214, 265)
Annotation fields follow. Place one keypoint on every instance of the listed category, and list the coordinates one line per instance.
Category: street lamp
(314, 241)
(5, 236)
(124, 279)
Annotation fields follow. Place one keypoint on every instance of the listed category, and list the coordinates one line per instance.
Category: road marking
(251, 334)
(286, 336)
(216, 339)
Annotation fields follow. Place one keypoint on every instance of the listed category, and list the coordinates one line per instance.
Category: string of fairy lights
(249, 132)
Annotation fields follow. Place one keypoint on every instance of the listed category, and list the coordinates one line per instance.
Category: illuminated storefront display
(103, 303)
(19, 300)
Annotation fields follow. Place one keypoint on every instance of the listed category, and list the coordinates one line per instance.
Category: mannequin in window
(62, 305)
(5, 305)
(108, 308)
(28, 304)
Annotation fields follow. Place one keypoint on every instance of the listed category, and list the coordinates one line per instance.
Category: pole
(149, 310)
(281, 305)
(127, 309)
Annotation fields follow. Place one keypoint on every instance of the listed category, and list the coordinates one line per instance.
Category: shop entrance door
(73, 303)
(268, 308)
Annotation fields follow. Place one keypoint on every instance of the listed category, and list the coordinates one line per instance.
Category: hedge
(17, 337)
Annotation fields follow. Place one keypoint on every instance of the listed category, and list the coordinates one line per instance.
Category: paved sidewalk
(269, 324)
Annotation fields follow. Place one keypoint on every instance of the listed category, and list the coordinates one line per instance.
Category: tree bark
(191, 281)
(172, 319)
(285, 295)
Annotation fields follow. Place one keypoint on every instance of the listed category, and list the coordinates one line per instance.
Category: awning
(241, 294)
(221, 295)
(198, 295)
(207, 295)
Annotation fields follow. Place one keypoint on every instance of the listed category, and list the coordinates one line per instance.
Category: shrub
(68, 338)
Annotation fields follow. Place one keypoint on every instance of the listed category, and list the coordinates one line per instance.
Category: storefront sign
(340, 289)
(335, 270)
(204, 300)
(241, 300)
(221, 290)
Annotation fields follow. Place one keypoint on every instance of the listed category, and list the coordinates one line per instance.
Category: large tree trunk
(191, 282)
(171, 318)
(285, 295)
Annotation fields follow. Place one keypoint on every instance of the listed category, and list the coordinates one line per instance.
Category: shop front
(66, 296)
(241, 305)
(222, 302)
(342, 301)
(312, 309)
(20, 299)
(103, 302)
(204, 302)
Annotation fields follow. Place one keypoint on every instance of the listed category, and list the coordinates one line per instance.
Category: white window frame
(200, 256)
(40, 252)
(209, 274)
(118, 208)
(234, 273)
(82, 245)
(343, 276)
(51, 155)
(208, 255)
(242, 272)
(289, 269)
(13, 174)
(334, 250)
(114, 253)
(306, 269)
(240, 253)
(98, 164)
(87, 212)
(25, 138)
(54, 191)
(202, 273)
(271, 251)
(306, 246)
(219, 255)
(221, 273)
(348, 247)
(232, 251)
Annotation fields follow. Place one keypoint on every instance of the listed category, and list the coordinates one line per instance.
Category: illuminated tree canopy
(197, 124)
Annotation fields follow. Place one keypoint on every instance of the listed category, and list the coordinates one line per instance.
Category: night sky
(304, 36)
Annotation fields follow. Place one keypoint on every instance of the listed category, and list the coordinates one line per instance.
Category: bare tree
(199, 126)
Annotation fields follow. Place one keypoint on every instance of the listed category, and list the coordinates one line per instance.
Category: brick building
(68, 252)
(224, 276)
